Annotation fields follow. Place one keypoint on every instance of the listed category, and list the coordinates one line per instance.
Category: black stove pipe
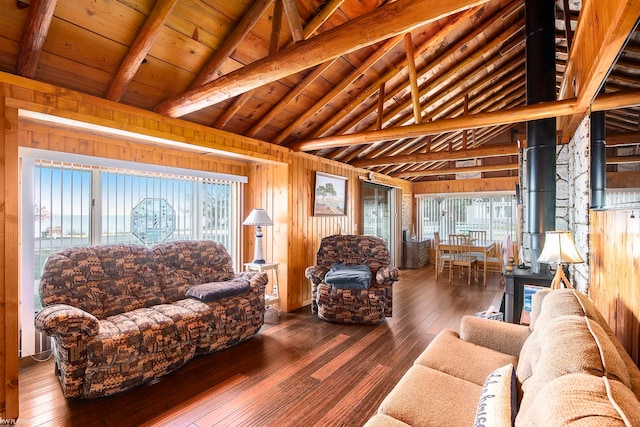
(598, 161)
(541, 134)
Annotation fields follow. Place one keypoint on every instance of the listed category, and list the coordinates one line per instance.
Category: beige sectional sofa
(569, 370)
(122, 315)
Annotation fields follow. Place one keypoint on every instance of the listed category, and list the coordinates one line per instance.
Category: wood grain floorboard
(298, 371)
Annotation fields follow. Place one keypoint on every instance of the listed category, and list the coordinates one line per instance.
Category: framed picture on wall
(330, 195)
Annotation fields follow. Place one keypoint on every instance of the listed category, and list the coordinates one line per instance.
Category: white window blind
(461, 213)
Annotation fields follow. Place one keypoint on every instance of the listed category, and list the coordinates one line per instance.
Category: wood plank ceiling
(405, 88)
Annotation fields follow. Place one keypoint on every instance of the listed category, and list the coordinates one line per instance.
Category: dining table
(485, 247)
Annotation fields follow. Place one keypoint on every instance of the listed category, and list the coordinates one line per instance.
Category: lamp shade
(258, 217)
(559, 248)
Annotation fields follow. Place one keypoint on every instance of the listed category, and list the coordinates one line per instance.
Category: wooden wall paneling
(621, 180)
(466, 185)
(267, 188)
(9, 262)
(614, 270)
(41, 97)
(39, 136)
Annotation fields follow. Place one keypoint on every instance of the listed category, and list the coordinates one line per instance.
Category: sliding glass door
(379, 213)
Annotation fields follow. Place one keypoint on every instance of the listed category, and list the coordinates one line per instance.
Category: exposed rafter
(293, 18)
(434, 156)
(140, 47)
(515, 115)
(247, 22)
(451, 171)
(387, 21)
(34, 35)
(603, 27)
(346, 81)
(309, 29)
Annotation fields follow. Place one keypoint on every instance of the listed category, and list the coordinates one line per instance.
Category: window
(453, 214)
(623, 198)
(80, 201)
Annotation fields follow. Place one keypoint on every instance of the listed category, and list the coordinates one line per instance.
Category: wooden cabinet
(415, 254)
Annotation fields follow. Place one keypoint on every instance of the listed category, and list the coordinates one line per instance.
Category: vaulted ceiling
(405, 88)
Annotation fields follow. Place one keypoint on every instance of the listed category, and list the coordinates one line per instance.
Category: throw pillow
(499, 399)
(349, 276)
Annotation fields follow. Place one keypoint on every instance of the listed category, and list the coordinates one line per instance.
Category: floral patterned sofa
(337, 304)
(121, 315)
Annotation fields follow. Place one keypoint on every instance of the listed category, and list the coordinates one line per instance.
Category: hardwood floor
(298, 371)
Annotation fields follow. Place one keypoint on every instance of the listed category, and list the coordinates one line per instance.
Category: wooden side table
(272, 298)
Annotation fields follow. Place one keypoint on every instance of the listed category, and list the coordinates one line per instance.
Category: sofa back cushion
(353, 249)
(581, 399)
(570, 339)
(185, 263)
(564, 302)
(103, 280)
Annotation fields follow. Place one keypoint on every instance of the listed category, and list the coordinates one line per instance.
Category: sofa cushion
(103, 280)
(181, 264)
(425, 397)
(215, 291)
(134, 347)
(382, 420)
(344, 276)
(498, 403)
(454, 356)
(582, 399)
(573, 344)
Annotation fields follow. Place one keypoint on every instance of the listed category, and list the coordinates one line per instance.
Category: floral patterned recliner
(353, 305)
(122, 315)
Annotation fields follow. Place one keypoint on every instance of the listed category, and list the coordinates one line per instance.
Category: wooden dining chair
(461, 255)
(443, 258)
(478, 235)
(495, 261)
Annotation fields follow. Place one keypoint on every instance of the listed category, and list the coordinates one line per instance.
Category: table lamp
(559, 249)
(258, 217)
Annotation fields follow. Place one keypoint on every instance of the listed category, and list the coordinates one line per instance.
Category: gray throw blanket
(349, 276)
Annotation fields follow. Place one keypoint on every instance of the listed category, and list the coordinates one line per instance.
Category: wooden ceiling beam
(480, 152)
(567, 23)
(616, 160)
(140, 48)
(309, 29)
(276, 27)
(293, 93)
(231, 111)
(293, 18)
(380, 106)
(603, 28)
(35, 33)
(321, 17)
(380, 24)
(451, 171)
(457, 72)
(628, 138)
(514, 115)
(230, 43)
(338, 88)
(439, 38)
(390, 92)
(612, 101)
(492, 83)
(413, 79)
